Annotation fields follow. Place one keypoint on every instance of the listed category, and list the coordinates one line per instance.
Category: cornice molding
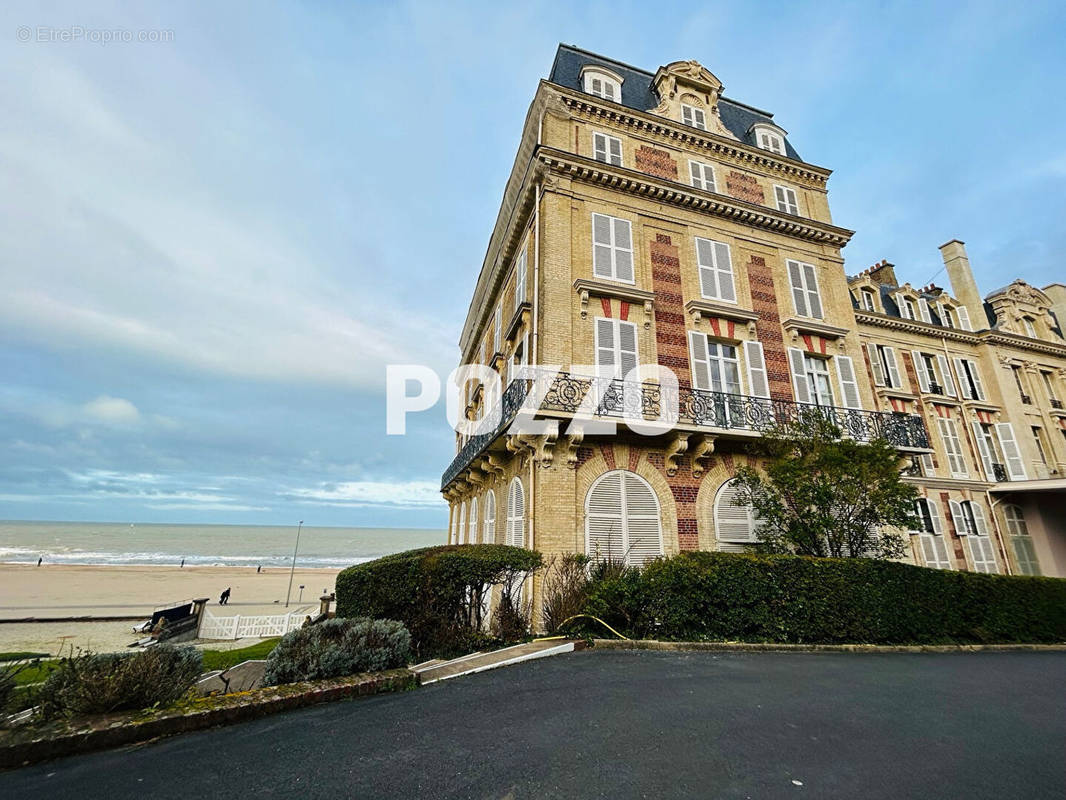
(881, 320)
(1024, 342)
(709, 308)
(596, 172)
(803, 325)
(586, 288)
(693, 136)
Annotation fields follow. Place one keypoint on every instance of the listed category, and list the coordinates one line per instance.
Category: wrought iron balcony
(1000, 472)
(566, 393)
(936, 388)
(1027, 399)
(1056, 403)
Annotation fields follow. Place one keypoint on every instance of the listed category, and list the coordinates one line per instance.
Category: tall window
(715, 367)
(867, 296)
(607, 149)
(933, 373)
(520, 279)
(516, 514)
(949, 434)
(907, 308)
(804, 284)
(622, 519)
(818, 379)
(716, 270)
(1030, 329)
(947, 316)
(1021, 542)
(462, 524)
(811, 382)
(969, 521)
(884, 366)
(786, 200)
(473, 521)
(497, 323)
(1050, 387)
(690, 115)
(616, 347)
(1017, 373)
(735, 526)
(969, 379)
(702, 175)
(1038, 438)
(612, 248)
(934, 548)
(1012, 454)
(488, 536)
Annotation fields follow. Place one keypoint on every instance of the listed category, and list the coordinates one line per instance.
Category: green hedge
(436, 592)
(727, 596)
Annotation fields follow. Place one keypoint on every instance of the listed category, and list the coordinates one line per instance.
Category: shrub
(566, 583)
(338, 647)
(439, 593)
(96, 683)
(727, 596)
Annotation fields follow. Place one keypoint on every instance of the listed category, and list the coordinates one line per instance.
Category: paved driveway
(633, 724)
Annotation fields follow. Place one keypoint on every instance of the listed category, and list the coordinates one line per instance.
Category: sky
(212, 245)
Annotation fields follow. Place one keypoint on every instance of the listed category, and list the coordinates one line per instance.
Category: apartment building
(650, 221)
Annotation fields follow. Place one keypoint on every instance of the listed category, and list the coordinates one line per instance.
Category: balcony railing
(1056, 403)
(565, 394)
(1000, 472)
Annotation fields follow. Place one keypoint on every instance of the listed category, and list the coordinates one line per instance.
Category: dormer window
(867, 298)
(768, 137)
(694, 117)
(1030, 329)
(602, 83)
(947, 317)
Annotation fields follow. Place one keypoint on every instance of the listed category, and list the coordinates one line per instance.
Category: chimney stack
(963, 286)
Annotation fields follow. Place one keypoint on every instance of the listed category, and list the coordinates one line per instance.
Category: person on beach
(258, 569)
(183, 562)
(39, 560)
(224, 599)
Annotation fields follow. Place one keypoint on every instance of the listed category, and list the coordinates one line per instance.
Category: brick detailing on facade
(764, 303)
(744, 187)
(956, 540)
(684, 487)
(670, 340)
(608, 455)
(583, 455)
(634, 459)
(656, 162)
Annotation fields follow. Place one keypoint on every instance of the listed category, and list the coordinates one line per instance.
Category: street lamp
(293, 569)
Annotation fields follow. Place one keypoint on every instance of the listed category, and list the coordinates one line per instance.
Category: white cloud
(361, 494)
(112, 410)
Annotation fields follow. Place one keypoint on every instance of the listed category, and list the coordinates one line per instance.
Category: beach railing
(241, 627)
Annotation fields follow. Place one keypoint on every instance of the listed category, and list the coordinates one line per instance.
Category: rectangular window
(805, 295)
(616, 347)
(786, 200)
(715, 366)
(771, 141)
(520, 279)
(884, 366)
(1050, 386)
(497, 323)
(818, 385)
(1030, 329)
(607, 149)
(969, 379)
(949, 433)
(1038, 437)
(612, 248)
(1012, 454)
(702, 175)
(690, 115)
(716, 270)
(947, 317)
(868, 300)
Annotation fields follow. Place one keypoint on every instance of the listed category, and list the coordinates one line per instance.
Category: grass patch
(224, 659)
(21, 656)
(35, 673)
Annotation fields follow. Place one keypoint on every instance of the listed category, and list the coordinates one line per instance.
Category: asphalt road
(632, 724)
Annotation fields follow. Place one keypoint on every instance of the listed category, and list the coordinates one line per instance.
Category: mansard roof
(637, 93)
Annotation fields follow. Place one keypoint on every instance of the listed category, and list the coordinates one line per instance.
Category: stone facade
(698, 239)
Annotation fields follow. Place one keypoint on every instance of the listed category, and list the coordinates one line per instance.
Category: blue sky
(210, 247)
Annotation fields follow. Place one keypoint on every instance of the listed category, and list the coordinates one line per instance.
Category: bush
(97, 683)
(727, 596)
(439, 593)
(566, 584)
(338, 647)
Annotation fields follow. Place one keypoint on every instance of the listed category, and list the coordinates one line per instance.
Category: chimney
(1056, 292)
(963, 286)
(883, 273)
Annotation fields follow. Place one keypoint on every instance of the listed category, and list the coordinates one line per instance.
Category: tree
(821, 495)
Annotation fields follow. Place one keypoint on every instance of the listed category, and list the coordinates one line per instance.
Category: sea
(203, 545)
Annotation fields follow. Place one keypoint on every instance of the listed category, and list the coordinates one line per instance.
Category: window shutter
(947, 384)
(462, 524)
(1013, 455)
(686, 115)
(643, 528)
(964, 318)
(516, 511)
(957, 518)
(904, 309)
(799, 375)
(919, 370)
(725, 272)
(604, 537)
(489, 536)
(605, 346)
(708, 178)
(849, 387)
(979, 518)
(733, 524)
(934, 515)
(923, 309)
(599, 147)
(705, 263)
(615, 151)
(520, 279)
(696, 172)
(627, 347)
(782, 201)
(623, 252)
(975, 376)
(701, 364)
(982, 553)
(893, 369)
(601, 246)
(799, 297)
(982, 449)
(473, 522)
(875, 364)
(950, 434)
(758, 384)
(964, 384)
(813, 300)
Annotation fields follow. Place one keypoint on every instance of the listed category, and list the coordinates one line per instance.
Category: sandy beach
(55, 592)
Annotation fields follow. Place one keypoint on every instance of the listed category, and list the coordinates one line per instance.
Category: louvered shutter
(602, 266)
(705, 263)
(1025, 553)
(627, 347)
(964, 383)
(934, 516)
(958, 518)
(975, 375)
(799, 296)
(462, 524)
(686, 115)
(623, 250)
(950, 434)
(875, 364)
(948, 383)
(964, 318)
(1009, 445)
(923, 309)
(489, 535)
(516, 514)
(725, 272)
(734, 525)
(695, 171)
(979, 518)
(599, 147)
(893, 368)
(849, 387)
(983, 554)
(496, 331)
(643, 528)
(701, 364)
(982, 449)
(604, 538)
(814, 301)
(606, 347)
(615, 151)
(919, 370)
(453, 538)
(520, 279)
(474, 532)
(935, 552)
(799, 375)
(904, 309)
(758, 384)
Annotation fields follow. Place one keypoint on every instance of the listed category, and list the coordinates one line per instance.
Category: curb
(770, 647)
(135, 728)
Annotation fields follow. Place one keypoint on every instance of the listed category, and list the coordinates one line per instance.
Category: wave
(24, 555)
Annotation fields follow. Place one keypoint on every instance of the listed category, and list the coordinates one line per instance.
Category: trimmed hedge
(702, 596)
(436, 592)
(338, 647)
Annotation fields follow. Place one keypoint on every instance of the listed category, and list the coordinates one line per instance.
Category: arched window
(622, 519)
(1021, 542)
(516, 514)
(462, 524)
(602, 83)
(735, 527)
(489, 534)
(453, 535)
(473, 521)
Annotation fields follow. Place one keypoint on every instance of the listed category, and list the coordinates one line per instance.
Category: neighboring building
(650, 220)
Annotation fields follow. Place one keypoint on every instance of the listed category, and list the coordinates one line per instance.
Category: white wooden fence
(238, 627)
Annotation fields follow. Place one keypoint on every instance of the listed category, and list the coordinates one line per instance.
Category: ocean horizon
(163, 544)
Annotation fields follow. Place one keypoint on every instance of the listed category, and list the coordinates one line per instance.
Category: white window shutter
(695, 171)
(814, 301)
(919, 370)
(599, 147)
(799, 296)
(623, 253)
(934, 515)
(1011, 452)
(604, 538)
(893, 368)
(643, 527)
(705, 263)
(474, 532)
(799, 375)
(606, 346)
(849, 387)
(733, 524)
(964, 318)
(958, 518)
(875, 364)
(982, 553)
(614, 151)
(904, 309)
(724, 263)
(948, 384)
(516, 514)
(489, 536)
(923, 309)
(758, 383)
(602, 265)
(462, 524)
(976, 376)
(520, 279)
(627, 347)
(964, 384)
(950, 435)
(982, 449)
(701, 364)
(979, 518)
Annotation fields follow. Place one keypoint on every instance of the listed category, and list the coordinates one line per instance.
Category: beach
(64, 592)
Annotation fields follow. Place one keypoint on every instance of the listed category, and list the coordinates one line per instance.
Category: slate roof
(638, 95)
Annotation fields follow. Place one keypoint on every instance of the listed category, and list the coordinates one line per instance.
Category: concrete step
(479, 662)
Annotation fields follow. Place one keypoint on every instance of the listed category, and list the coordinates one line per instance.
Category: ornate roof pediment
(691, 83)
(1022, 293)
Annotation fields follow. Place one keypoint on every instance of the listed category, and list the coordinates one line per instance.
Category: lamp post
(293, 569)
